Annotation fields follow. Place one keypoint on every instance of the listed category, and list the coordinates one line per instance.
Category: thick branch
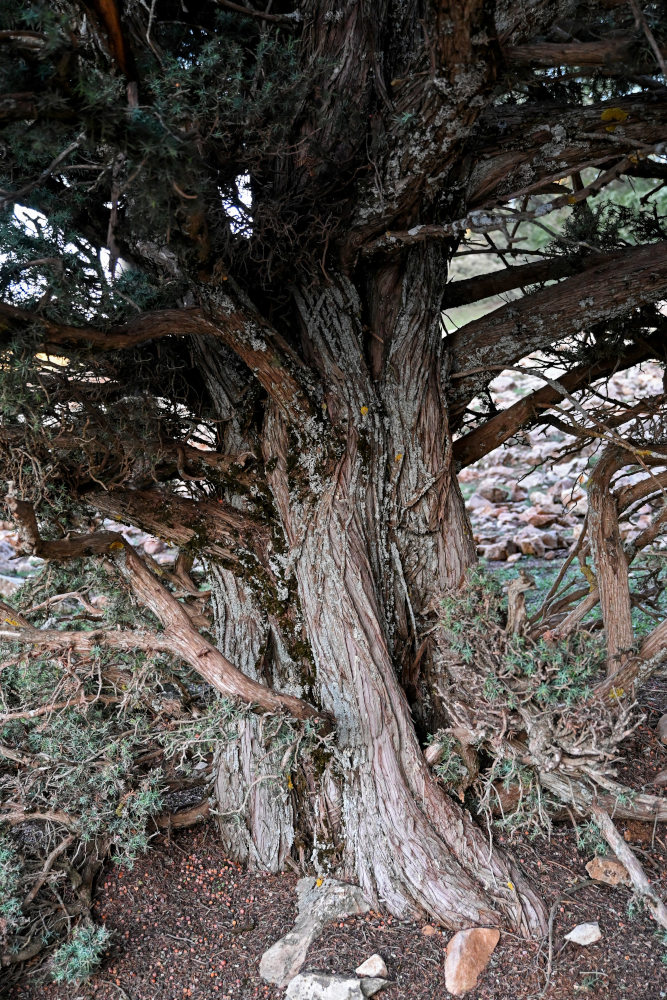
(261, 348)
(506, 335)
(610, 563)
(625, 498)
(217, 528)
(604, 52)
(147, 326)
(238, 326)
(483, 286)
(509, 151)
(527, 412)
(180, 636)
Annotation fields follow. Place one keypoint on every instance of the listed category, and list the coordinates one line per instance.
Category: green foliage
(530, 701)
(558, 674)
(78, 958)
(589, 838)
(11, 916)
(451, 769)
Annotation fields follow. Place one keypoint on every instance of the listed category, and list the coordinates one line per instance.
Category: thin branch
(642, 23)
(10, 197)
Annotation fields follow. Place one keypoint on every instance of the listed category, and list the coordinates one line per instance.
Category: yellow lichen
(614, 115)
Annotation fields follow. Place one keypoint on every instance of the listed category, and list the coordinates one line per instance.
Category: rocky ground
(187, 922)
(528, 500)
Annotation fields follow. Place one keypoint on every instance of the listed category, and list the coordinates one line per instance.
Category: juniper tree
(227, 241)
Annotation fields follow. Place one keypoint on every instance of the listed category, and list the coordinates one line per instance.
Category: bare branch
(180, 636)
(513, 331)
(627, 858)
(528, 411)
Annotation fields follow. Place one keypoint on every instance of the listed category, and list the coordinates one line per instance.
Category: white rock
(585, 933)
(373, 966)
(319, 986)
(318, 905)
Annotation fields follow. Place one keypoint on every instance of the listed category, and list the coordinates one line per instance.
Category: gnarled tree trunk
(376, 534)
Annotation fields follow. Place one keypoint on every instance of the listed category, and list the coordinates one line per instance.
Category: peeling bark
(408, 844)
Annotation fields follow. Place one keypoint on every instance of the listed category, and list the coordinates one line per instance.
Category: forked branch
(179, 637)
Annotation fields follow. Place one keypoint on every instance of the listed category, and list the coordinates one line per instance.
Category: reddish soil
(189, 923)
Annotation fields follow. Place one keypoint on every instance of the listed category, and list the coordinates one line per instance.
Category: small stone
(531, 546)
(321, 986)
(661, 728)
(493, 493)
(584, 934)
(478, 503)
(549, 539)
(496, 553)
(537, 518)
(468, 954)
(428, 930)
(661, 778)
(373, 966)
(608, 870)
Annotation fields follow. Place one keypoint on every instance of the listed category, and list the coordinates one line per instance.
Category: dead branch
(48, 865)
(185, 817)
(635, 870)
(15, 816)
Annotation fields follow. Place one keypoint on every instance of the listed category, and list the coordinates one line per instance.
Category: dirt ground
(187, 922)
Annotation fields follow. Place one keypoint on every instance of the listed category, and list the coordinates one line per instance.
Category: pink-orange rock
(608, 870)
(428, 930)
(468, 954)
